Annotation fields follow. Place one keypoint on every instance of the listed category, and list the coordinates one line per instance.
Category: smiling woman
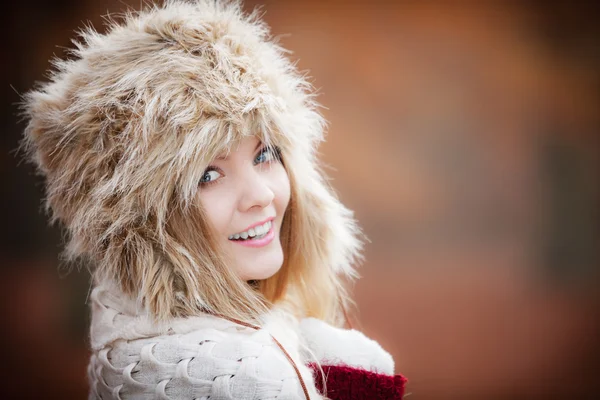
(179, 153)
(245, 196)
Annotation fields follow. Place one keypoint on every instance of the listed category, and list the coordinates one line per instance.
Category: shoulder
(115, 316)
(185, 358)
(199, 363)
(334, 346)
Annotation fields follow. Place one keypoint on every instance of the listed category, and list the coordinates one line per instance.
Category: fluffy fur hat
(124, 129)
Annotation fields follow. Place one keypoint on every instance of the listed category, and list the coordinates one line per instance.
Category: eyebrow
(256, 148)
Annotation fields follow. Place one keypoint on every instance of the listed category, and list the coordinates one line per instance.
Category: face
(245, 196)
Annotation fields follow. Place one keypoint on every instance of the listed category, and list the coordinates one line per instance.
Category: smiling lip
(258, 224)
(258, 242)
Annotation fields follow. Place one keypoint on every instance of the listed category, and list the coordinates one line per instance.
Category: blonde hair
(124, 131)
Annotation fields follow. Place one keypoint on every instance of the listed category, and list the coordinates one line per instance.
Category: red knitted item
(350, 383)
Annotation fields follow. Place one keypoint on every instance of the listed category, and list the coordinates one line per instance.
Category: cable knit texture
(208, 357)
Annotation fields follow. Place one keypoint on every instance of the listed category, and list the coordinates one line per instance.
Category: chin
(265, 271)
(262, 274)
(260, 266)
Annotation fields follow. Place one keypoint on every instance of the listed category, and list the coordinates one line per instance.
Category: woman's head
(126, 134)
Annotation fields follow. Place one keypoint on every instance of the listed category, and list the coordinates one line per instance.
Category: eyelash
(276, 151)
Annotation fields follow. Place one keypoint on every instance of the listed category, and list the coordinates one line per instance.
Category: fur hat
(123, 131)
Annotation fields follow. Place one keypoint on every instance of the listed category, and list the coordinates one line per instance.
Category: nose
(255, 191)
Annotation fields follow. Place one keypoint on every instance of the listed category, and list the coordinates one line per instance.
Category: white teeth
(252, 232)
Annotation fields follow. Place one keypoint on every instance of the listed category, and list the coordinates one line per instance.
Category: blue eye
(210, 176)
(268, 154)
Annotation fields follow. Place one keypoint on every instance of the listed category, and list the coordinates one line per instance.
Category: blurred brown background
(465, 135)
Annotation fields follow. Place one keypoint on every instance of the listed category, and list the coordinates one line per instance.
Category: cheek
(218, 209)
(282, 190)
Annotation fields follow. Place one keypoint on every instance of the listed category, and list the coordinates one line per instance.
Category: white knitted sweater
(212, 358)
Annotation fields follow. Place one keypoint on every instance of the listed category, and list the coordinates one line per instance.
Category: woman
(179, 152)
